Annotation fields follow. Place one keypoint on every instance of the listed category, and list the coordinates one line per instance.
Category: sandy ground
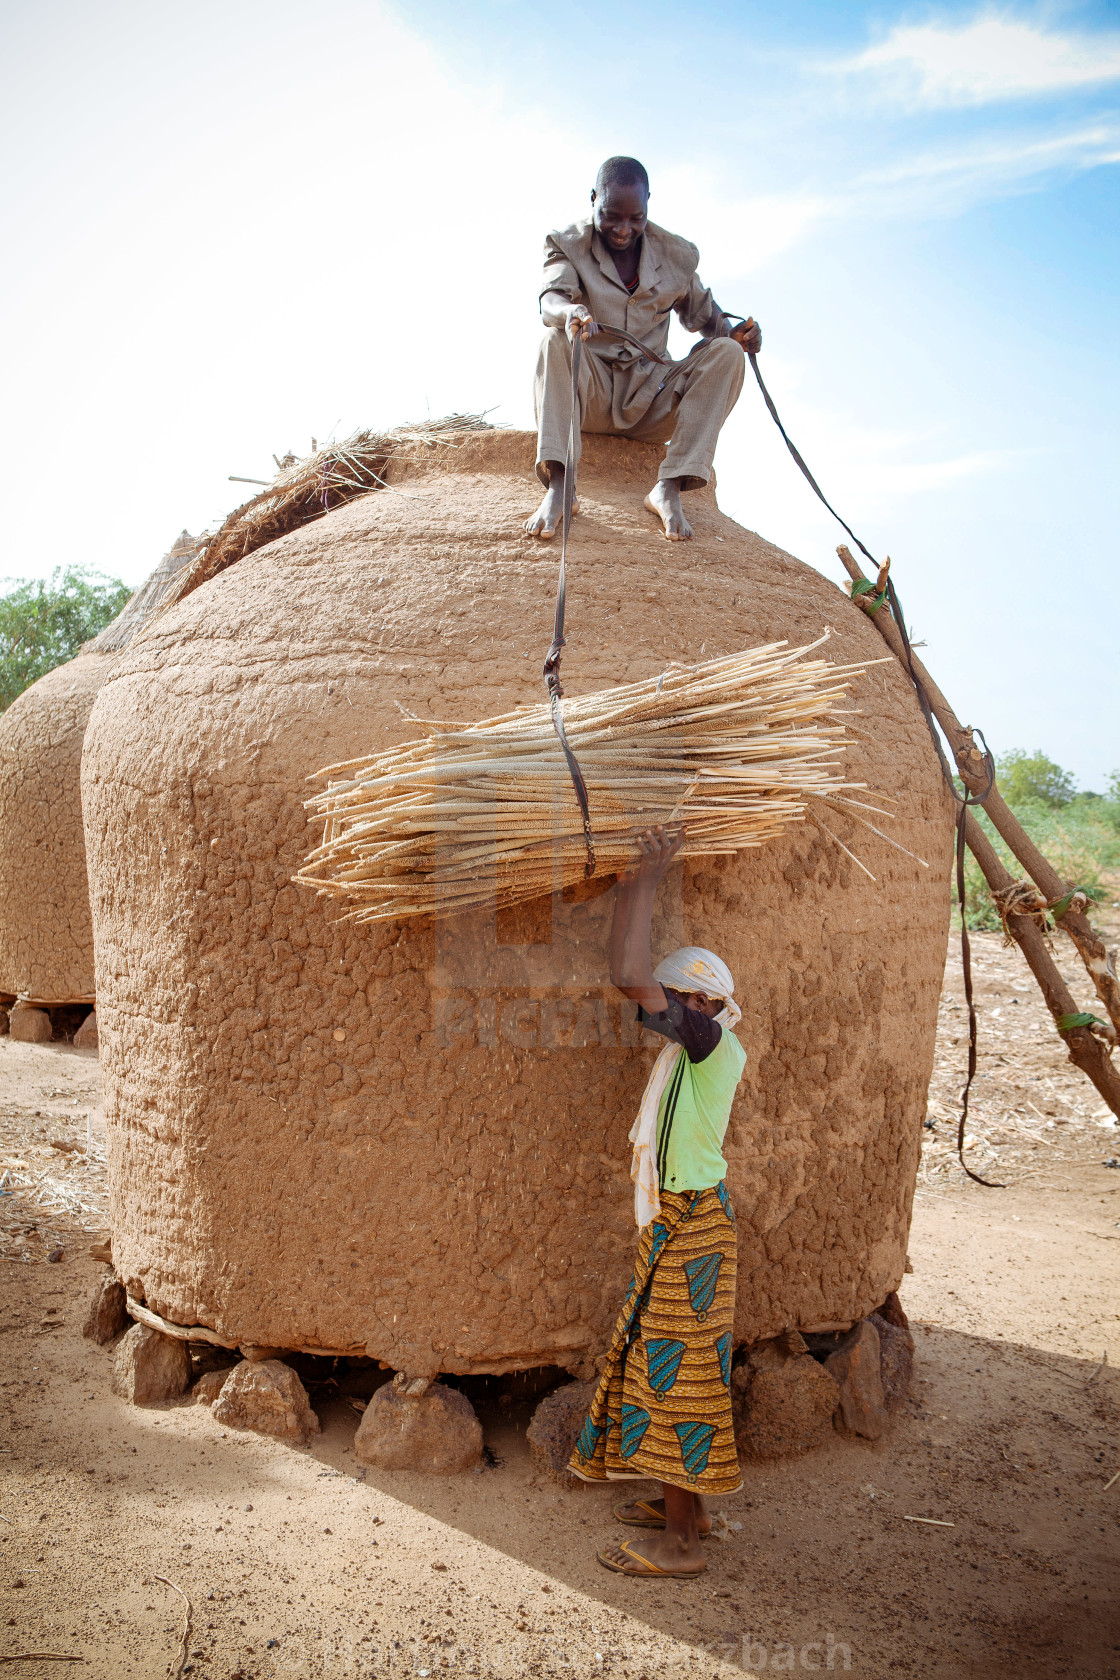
(299, 1563)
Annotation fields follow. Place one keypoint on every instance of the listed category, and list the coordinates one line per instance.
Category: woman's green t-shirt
(693, 1113)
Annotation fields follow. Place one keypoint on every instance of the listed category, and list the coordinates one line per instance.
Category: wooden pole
(1086, 1050)
(1099, 961)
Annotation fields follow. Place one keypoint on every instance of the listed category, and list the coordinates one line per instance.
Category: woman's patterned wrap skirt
(662, 1409)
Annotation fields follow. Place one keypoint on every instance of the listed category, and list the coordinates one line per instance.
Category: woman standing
(663, 1405)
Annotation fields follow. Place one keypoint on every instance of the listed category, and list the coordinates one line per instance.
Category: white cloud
(875, 464)
(876, 476)
(302, 240)
(946, 181)
(740, 237)
(994, 57)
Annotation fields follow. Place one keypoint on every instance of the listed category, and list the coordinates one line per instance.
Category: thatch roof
(159, 590)
(314, 486)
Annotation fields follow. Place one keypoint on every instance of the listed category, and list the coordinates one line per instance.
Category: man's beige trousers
(636, 400)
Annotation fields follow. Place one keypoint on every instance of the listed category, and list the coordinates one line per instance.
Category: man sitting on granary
(618, 270)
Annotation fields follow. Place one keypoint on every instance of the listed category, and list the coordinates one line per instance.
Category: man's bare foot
(665, 501)
(667, 1553)
(548, 516)
(650, 1513)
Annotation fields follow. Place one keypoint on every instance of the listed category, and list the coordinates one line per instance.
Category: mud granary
(46, 938)
(410, 1140)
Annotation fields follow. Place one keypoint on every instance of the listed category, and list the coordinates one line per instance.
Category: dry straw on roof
(159, 591)
(312, 487)
(734, 748)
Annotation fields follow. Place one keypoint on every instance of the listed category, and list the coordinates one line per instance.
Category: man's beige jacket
(579, 266)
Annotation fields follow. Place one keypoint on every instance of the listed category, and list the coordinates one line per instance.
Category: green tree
(1026, 778)
(43, 624)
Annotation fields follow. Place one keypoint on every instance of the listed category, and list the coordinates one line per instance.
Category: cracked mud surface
(270, 1069)
(46, 936)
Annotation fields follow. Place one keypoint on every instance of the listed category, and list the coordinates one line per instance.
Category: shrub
(43, 624)
(1032, 778)
(1080, 836)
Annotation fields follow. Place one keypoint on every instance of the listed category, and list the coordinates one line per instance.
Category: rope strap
(963, 801)
(551, 671)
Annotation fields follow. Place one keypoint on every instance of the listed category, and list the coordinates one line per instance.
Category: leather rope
(962, 800)
(551, 674)
(963, 803)
(551, 671)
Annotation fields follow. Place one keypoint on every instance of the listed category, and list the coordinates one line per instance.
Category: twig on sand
(1110, 1481)
(41, 1656)
(934, 1522)
(185, 1639)
(1097, 1369)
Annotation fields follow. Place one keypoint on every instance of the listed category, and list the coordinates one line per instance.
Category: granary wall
(411, 1138)
(46, 937)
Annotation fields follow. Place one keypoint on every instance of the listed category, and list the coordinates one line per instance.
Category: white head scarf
(691, 969)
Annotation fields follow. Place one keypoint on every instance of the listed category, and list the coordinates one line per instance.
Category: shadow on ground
(299, 1563)
(1009, 1445)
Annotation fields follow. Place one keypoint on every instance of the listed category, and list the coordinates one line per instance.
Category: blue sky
(232, 226)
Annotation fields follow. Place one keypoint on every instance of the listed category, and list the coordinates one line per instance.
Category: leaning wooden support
(1053, 891)
(1086, 1050)
(1099, 961)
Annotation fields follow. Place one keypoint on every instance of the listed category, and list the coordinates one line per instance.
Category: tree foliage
(44, 623)
(1026, 778)
(1078, 832)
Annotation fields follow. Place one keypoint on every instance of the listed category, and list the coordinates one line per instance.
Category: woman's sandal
(653, 1518)
(648, 1571)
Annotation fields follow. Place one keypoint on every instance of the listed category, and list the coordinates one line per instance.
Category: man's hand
(557, 310)
(749, 335)
(578, 319)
